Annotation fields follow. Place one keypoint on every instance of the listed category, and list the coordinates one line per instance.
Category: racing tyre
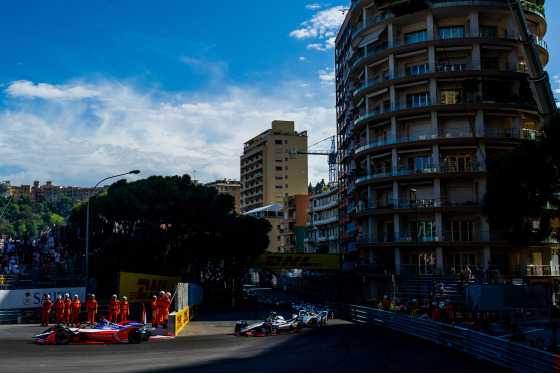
(240, 325)
(267, 329)
(63, 337)
(299, 327)
(135, 336)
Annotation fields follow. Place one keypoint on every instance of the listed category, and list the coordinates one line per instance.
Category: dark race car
(104, 332)
(313, 318)
(272, 325)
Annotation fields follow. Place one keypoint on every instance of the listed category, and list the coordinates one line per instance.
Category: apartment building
(271, 169)
(273, 215)
(424, 101)
(230, 187)
(322, 226)
(52, 192)
(293, 226)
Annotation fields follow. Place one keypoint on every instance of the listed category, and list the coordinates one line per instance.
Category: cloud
(27, 89)
(314, 6)
(71, 139)
(212, 68)
(323, 25)
(327, 76)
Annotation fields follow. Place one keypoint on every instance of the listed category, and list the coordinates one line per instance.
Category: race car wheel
(267, 329)
(135, 336)
(240, 325)
(63, 337)
(299, 327)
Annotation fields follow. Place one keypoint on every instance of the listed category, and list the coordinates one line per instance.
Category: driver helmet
(154, 297)
(75, 296)
(58, 297)
(48, 296)
(66, 295)
(162, 293)
(124, 297)
(92, 296)
(114, 297)
(168, 294)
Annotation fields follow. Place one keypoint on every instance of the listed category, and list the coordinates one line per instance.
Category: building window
(452, 32)
(278, 159)
(277, 150)
(452, 96)
(286, 186)
(278, 141)
(421, 163)
(278, 186)
(426, 230)
(417, 69)
(416, 36)
(460, 231)
(488, 31)
(418, 99)
(286, 168)
(278, 168)
(278, 177)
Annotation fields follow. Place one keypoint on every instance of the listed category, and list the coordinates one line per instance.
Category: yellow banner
(181, 320)
(298, 261)
(141, 287)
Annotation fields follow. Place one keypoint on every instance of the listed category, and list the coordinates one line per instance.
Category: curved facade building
(424, 101)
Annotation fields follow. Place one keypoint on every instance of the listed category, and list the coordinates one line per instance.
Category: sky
(95, 88)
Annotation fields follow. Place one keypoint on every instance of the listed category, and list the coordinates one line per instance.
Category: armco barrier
(10, 316)
(498, 350)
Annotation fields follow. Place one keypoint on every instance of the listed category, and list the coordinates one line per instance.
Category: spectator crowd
(33, 258)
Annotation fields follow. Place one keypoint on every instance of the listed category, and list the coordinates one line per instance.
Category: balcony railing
(456, 133)
(426, 101)
(405, 40)
(402, 170)
(543, 270)
(465, 236)
(443, 67)
(406, 203)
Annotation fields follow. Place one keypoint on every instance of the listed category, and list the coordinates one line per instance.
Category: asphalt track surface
(207, 344)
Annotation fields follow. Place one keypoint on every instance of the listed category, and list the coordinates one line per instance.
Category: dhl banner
(298, 261)
(178, 320)
(141, 287)
(181, 320)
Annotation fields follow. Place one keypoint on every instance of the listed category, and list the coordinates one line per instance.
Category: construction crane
(331, 153)
(538, 78)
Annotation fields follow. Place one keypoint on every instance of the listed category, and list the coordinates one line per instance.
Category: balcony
(465, 236)
(457, 133)
(404, 170)
(404, 40)
(406, 203)
(543, 270)
(455, 67)
(459, 99)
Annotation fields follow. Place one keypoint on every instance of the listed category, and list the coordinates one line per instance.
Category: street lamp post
(417, 250)
(87, 220)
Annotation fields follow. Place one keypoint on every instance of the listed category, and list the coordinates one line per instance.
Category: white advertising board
(33, 298)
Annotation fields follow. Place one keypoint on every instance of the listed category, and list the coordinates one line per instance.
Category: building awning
(371, 38)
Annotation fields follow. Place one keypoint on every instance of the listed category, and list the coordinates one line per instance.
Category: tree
(165, 225)
(523, 188)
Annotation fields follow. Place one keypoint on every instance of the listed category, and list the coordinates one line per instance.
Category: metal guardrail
(10, 316)
(497, 350)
